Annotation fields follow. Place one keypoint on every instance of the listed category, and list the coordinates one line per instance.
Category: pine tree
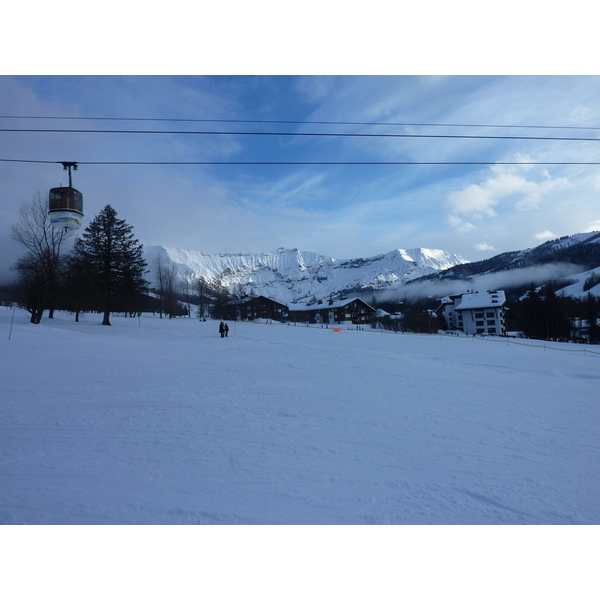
(79, 290)
(201, 286)
(534, 320)
(592, 319)
(556, 320)
(113, 260)
(222, 296)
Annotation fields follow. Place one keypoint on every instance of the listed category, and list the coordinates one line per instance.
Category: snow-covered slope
(583, 283)
(571, 264)
(160, 421)
(296, 276)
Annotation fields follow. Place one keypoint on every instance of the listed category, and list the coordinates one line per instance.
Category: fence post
(11, 321)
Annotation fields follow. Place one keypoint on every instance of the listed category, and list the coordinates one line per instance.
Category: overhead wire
(305, 134)
(332, 163)
(302, 133)
(307, 122)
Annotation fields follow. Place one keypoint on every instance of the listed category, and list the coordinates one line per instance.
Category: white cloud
(581, 113)
(458, 223)
(480, 200)
(290, 189)
(537, 191)
(484, 247)
(518, 157)
(474, 200)
(545, 235)
(592, 226)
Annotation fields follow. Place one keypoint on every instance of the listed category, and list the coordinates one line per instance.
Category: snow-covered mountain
(570, 263)
(298, 276)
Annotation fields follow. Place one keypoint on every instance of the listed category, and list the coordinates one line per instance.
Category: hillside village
(475, 313)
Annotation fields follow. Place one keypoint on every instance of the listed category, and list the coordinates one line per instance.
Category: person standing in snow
(226, 329)
(222, 329)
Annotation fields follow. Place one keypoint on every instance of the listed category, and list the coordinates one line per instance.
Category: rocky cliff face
(298, 276)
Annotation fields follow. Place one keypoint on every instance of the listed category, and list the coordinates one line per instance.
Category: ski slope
(156, 421)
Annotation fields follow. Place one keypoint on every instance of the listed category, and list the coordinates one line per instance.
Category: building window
(480, 331)
(490, 315)
(491, 330)
(479, 315)
(491, 323)
(479, 323)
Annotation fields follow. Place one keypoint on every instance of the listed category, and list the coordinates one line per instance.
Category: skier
(222, 329)
(226, 329)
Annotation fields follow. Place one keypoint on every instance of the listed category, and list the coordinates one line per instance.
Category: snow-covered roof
(450, 299)
(253, 299)
(489, 299)
(325, 304)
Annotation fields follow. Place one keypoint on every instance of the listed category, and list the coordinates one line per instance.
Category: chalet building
(351, 311)
(258, 307)
(476, 313)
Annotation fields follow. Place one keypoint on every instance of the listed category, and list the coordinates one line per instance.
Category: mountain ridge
(293, 275)
(569, 263)
(296, 276)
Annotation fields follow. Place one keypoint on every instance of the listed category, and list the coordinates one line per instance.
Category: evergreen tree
(79, 290)
(113, 260)
(201, 286)
(222, 296)
(534, 319)
(556, 321)
(592, 319)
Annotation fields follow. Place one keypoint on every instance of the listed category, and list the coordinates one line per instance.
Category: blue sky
(344, 211)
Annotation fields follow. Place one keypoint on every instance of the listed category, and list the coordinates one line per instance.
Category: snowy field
(163, 422)
(156, 421)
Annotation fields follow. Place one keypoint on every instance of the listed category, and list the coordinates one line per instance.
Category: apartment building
(476, 313)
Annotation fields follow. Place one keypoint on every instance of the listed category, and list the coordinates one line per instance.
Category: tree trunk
(36, 315)
(106, 320)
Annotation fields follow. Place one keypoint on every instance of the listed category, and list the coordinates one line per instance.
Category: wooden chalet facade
(352, 311)
(258, 307)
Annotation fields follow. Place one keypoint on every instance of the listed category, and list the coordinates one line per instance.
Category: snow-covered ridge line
(292, 275)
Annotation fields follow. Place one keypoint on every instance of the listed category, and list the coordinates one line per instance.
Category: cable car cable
(332, 163)
(398, 124)
(305, 134)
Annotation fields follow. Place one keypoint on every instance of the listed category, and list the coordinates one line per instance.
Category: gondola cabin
(65, 207)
